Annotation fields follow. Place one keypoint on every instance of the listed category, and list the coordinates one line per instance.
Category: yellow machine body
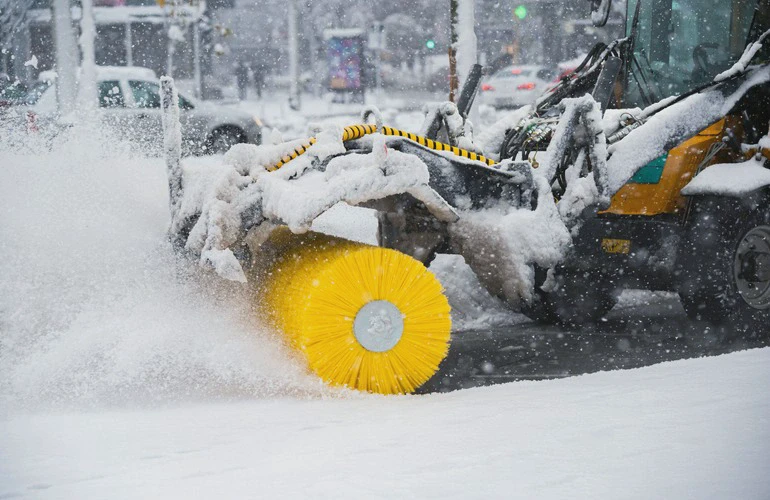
(656, 193)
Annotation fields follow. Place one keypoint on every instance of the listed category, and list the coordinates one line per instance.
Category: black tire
(575, 299)
(725, 264)
(223, 138)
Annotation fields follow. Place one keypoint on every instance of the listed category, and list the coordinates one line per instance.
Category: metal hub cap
(378, 326)
(752, 267)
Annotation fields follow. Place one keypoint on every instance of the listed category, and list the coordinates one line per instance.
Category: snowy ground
(695, 429)
(125, 373)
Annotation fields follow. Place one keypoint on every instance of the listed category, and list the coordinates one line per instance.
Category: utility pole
(314, 63)
(380, 35)
(87, 100)
(67, 59)
(294, 102)
(173, 32)
(129, 43)
(453, 83)
(197, 59)
(466, 50)
(466, 38)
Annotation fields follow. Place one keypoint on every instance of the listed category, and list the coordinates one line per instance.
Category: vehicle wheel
(575, 299)
(726, 264)
(222, 139)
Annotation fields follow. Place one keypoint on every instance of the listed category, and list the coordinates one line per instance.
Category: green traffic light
(430, 44)
(521, 11)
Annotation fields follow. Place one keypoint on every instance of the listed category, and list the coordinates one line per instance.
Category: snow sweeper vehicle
(644, 168)
(672, 225)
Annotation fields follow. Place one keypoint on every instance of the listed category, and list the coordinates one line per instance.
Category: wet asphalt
(629, 337)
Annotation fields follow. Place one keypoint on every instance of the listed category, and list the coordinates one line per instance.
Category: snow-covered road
(687, 429)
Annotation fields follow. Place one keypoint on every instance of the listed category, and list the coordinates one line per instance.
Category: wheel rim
(378, 326)
(751, 267)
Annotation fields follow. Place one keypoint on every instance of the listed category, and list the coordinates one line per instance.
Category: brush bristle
(314, 290)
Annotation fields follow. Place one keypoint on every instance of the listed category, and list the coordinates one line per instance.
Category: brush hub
(378, 326)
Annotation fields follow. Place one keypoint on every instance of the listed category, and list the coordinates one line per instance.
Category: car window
(184, 103)
(110, 95)
(145, 94)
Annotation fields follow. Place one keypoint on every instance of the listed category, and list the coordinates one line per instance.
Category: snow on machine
(634, 171)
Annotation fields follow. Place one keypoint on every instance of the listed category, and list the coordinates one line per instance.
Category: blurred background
(242, 49)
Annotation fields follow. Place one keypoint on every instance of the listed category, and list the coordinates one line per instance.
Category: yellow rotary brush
(365, 317)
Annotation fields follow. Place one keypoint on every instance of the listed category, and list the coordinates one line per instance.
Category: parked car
(515, 86)
(129, 101)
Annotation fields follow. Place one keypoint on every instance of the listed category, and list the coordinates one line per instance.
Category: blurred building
(128, 32)
(412, 35)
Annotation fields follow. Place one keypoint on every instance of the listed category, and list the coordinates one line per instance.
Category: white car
(129, 101)
(516, 86)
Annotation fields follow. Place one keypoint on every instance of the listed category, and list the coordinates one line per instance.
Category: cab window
(682, 44)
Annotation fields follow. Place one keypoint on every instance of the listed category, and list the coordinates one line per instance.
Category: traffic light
(430, 44)
(520, 11)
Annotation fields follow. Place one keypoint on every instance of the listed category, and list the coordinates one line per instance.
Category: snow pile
(219, 198)
(731, 179)
(473, 308)
(353, 178)
(502, 243)
(94, 305)
(242, 194)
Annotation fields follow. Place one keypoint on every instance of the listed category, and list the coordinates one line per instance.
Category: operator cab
(680, 45)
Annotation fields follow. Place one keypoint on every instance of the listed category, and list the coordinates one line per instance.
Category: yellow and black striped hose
(353, 132)
(438, 146)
